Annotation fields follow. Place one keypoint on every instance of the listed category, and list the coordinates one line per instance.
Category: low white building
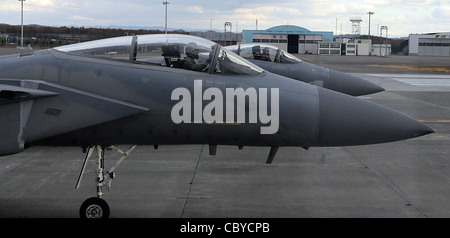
(381, 49)
(345, 47)
(363, 46)
(329, 48)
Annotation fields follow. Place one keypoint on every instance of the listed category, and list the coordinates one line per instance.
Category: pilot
(256, 52)
(265, 55)
(189, 61)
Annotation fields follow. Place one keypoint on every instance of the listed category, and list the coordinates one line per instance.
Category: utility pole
(21, 34)
(166, 3)
(370, 13)
(336, 27)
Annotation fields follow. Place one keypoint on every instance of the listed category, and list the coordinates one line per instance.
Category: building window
(282, 41)
(334, 45)
(273, 40)
(335, 52)
(256, 40)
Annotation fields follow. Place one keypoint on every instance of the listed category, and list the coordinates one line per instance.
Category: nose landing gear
(96, 207)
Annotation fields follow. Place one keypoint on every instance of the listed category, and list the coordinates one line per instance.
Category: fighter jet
(173, 89)
(278, 61)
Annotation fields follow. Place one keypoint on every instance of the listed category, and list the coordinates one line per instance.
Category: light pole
(370, 13)
(166, 3)
(370, 51)
(21, 34)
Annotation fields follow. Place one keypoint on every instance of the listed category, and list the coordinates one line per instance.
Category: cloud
(332, 8)
(6, 7)
(77, 17)
(400, 2)
(195, 9)
(269, 13)
(442, 12)
(419, 2)
(71, 6)
(266, 10)
(378, 2)
(44, 3)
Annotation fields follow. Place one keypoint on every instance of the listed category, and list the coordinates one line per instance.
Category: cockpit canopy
(264, 52)
(168, 50)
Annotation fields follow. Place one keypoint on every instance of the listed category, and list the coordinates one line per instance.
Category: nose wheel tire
(94, 207)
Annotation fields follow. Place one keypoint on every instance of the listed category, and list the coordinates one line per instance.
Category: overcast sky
(402, 17)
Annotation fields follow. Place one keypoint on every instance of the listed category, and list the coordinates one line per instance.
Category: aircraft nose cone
(351, 85)
(346, 121)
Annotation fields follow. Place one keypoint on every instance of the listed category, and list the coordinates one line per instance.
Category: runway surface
(409, 178)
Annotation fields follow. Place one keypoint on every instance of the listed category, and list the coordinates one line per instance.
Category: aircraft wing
(32, 110)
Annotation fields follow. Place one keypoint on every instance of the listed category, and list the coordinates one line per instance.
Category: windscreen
(230, 63)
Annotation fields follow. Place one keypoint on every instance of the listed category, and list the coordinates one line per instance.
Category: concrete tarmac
(408, 179)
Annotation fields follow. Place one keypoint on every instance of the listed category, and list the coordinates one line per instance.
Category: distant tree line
(46, 36)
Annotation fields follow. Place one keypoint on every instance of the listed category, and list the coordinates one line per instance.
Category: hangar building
(293, 39)
(432, 44)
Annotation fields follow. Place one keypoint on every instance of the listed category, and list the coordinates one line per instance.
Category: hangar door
(434, 46)
(293, 44)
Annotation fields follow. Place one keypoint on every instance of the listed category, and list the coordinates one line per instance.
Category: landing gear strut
(96, 207)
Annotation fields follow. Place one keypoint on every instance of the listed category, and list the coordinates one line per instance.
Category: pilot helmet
(256, 49)
(191, 48)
